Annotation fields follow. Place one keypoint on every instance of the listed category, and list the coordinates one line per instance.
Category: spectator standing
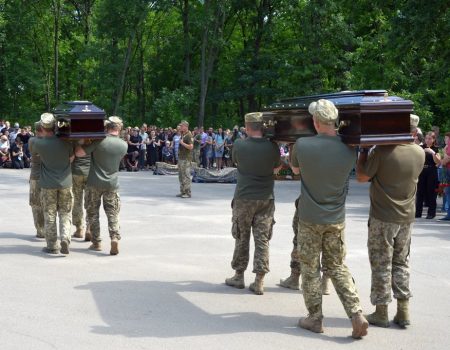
(428, 179)
(143, 146)
(219, 146)
(446, 168)
(4, 150)
(153, 146)
(197, 146)
(176, 144)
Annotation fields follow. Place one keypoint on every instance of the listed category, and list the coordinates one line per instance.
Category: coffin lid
(78, 108)
(364, 99)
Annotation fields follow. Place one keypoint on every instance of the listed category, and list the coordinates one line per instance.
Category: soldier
(184, 160)
(253, 203)
(56, 184)
(103, 182)
(35, 188)
(80, 171)
(392, 210)
(321, 211)
(292, 282)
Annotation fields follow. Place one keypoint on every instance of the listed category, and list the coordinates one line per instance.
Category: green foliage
(143, 58)
(171, 107)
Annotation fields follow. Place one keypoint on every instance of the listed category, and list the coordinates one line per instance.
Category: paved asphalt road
(165, 290)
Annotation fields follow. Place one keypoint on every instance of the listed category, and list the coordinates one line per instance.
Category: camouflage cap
(324, 111)
(47, 120)
(255, 117)
(414, 120)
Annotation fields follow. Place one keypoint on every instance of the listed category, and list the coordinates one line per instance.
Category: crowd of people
(150, 144)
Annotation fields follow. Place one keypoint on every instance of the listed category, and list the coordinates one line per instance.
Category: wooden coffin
(367, 117)
(79, 120)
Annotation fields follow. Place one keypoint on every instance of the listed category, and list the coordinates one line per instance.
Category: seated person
(167, 153)
(131, 163)
(17, 154)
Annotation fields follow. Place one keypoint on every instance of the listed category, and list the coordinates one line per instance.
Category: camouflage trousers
(78, 189)
(328, 239)
(389, 246)
(184, 175)
(257, 216)
(295, 260)
(111, 205)
(57, 202)
(36, 207)
(196, 155)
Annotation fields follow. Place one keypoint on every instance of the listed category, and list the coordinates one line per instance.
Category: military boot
(380, 317)
(360, 325)
(257, 287)
(237, 281)
(313, 324)
(97, 246)
(64, 247)
(88, 235)
(79, 233)
(114, 246)
(292, 282)
(402, 316)
(325, 284)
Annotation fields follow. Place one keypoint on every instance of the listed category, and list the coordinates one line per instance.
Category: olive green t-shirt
(55, 162)
(255, 158)
(394, 171)
(325, 164)
(183, 152)
(35, 172)
(81, 165)
(106, 155)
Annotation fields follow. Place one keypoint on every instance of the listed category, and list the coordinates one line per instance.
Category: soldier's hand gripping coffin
(368, 117)
(79, 120)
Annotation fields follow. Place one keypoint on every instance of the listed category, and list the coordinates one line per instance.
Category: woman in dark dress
(428, 178)
(153, 144)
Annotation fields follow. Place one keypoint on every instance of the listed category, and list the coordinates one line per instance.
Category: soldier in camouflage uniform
(184, 160)
(253, 203)
(392, 210)
(321, 211)
(80, 171)
(35, 188)
(56, 185)
(103, 183)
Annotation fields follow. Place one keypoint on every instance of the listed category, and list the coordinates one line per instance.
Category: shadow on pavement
(159, 309)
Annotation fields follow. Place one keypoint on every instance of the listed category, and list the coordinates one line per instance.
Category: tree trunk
(123, 75)
(184, 8)
(56, 14)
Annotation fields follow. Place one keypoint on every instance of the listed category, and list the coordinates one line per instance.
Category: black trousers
(426, 190)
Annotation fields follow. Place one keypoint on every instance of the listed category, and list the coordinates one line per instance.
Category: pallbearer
(253, 202)
(325, 163)
(103, 182)
(80, 171)
(56, 185)
(35, 188)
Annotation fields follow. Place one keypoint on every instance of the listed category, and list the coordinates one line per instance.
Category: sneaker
(114, 247)
(186, 196)
(312, 324)
(65, 247)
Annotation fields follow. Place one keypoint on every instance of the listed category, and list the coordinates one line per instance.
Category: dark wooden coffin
(368, 117)
(79, 120)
